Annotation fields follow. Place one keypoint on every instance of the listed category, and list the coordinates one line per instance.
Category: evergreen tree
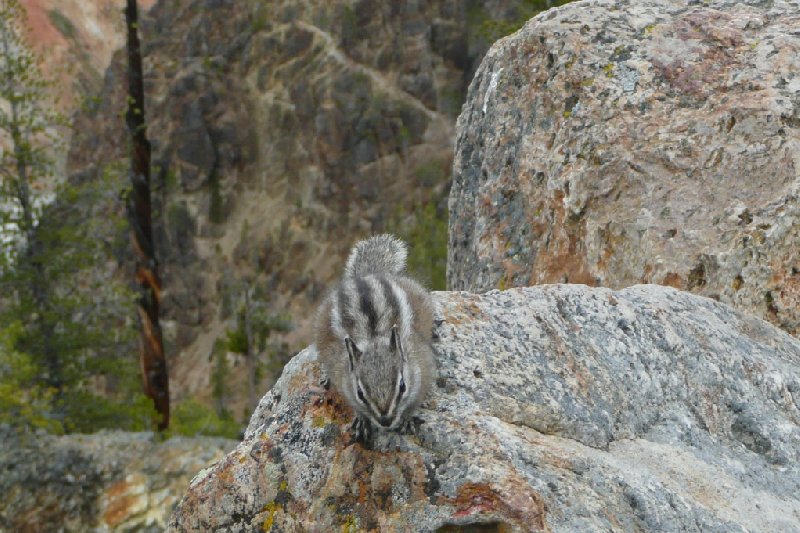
(60, 306)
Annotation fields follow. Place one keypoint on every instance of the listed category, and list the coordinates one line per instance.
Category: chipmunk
(373, 336)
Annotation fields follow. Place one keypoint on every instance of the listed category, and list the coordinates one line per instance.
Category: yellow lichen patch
(271, 508)
(318, 422)
(609, 70)
(350, 525)
(649, 29)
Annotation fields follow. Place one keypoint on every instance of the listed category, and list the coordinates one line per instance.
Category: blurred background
(281, 132)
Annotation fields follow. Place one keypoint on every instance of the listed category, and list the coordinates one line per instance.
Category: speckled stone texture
(109, 481)
(650, 141)
(558, 408)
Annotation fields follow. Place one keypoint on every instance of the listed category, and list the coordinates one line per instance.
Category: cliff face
(111, 481)
(615, 143)
(557, 408)
(76, 40)
(282, 132)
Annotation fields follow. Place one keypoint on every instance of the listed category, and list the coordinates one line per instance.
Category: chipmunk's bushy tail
(379, 254)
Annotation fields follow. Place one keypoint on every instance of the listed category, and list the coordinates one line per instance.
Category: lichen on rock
(621, 142)
(557, 408)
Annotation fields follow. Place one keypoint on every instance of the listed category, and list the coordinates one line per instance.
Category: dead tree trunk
(151, 348)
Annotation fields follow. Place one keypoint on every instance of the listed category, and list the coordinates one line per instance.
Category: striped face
(373, 316)
(378, 380)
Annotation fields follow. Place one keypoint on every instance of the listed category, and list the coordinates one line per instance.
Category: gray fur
(372, 300)
(381, 254)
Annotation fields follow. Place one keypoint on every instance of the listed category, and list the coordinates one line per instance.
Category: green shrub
(426, 234)
(190, 418)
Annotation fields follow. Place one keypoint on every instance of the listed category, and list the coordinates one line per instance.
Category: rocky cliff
(110, 481)
(282, 132)
(76, 40)
(557, 408)
(621, 142)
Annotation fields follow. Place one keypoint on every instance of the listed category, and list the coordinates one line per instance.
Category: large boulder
(650, 141)
(557, 408)
(110, 481)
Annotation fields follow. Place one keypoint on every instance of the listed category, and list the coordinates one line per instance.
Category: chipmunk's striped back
(368, 306)
(373, 334)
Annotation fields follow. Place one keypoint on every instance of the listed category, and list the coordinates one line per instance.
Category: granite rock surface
(621, 142)
(557, 408)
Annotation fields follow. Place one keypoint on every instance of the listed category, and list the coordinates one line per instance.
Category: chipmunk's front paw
(325, 382)
(410, 426)
(361, 430)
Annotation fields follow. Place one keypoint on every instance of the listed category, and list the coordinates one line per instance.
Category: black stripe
(367, 305)
(390, 297)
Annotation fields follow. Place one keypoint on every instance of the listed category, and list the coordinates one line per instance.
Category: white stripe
(336, 319)
(406, 315)
(379, 304)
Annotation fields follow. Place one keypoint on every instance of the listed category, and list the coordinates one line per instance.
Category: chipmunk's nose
(385, 421)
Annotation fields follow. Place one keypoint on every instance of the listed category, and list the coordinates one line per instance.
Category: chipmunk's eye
(360, 394)
(402, 386)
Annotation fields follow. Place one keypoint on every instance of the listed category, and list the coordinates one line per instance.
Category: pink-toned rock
(615, 143)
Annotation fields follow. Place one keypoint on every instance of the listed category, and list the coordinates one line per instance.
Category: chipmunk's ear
(394, 342)
(353, 353)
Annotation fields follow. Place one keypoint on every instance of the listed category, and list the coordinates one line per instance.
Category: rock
(557, 408)
(108, 481)
(616, 143)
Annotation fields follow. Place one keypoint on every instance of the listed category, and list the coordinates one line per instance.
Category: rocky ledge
(557, 408)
